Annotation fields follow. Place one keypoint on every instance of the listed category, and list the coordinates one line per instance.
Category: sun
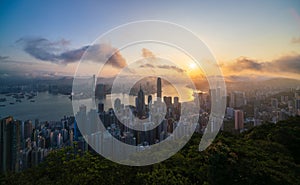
(192, 66)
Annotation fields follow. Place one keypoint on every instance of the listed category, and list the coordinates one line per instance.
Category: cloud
(105, 53)
(72, 55)
(295, 15)
(295, 40)
(146, 53)
(56, 52)
(169, 67)
(39, 48)
(237, 78)
(117, 60)
(245, 63)
(175, 68)
(43, 49)
(3, 57)
(147, 65)
(285, 64)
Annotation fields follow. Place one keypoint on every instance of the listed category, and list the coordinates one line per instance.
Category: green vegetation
(268, 154)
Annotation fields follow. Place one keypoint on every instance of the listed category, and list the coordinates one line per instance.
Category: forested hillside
(268, 154)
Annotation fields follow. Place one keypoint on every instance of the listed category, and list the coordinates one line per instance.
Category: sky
(48, 38)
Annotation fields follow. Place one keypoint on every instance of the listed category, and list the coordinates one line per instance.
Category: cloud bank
(295, 40)
(3, 57)
(147, 66)
(285, 64)
(175, 68)
(57, 52)
(146, 53)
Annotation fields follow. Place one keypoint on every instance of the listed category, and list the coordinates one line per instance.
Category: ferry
(2, 99)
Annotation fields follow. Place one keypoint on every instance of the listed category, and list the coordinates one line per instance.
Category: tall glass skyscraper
(159, 89)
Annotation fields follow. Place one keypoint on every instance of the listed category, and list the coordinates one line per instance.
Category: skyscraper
(149, 100)
(10, 144)
(238, 119)
(159, 89)
(274, 103)
(140, 103)
(27, 129)
(297, 106)
(237, 99)
(100, 107)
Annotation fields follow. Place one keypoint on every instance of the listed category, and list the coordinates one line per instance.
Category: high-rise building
(177, 108)
(168, 101)
(140, 103)
(274, 103)
(28, 129)
(229, 112)
(237, 99)
(76, 131)
(297, 106)
(159, 91)
(100, 91)
(10, 144)
(117, 104)
(199, 99)
(71, 135)
(149, 100)
(238, 120)
(94, 83)
(81, 121)
(100, 107)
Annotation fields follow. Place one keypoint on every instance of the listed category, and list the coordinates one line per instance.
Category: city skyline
(150, 92)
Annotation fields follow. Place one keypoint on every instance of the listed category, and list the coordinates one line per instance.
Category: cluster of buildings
(245, 110)
(146, 123)
(254, 108)
(24, 144)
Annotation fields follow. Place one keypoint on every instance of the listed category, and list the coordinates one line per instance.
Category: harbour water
(50, 107)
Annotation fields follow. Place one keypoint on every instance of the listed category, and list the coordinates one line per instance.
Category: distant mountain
(273, 83)
(283, 82)
(242, 83)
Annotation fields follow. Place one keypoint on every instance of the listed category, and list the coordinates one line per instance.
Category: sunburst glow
(192, 66)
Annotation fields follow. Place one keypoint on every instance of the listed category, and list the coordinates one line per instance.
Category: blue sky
(261, 30)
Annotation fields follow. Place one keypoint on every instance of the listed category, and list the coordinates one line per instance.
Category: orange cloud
(282, 65)
(146, 53)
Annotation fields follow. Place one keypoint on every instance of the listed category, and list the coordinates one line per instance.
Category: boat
(2, 99)
(18, 96)
(29, 97)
